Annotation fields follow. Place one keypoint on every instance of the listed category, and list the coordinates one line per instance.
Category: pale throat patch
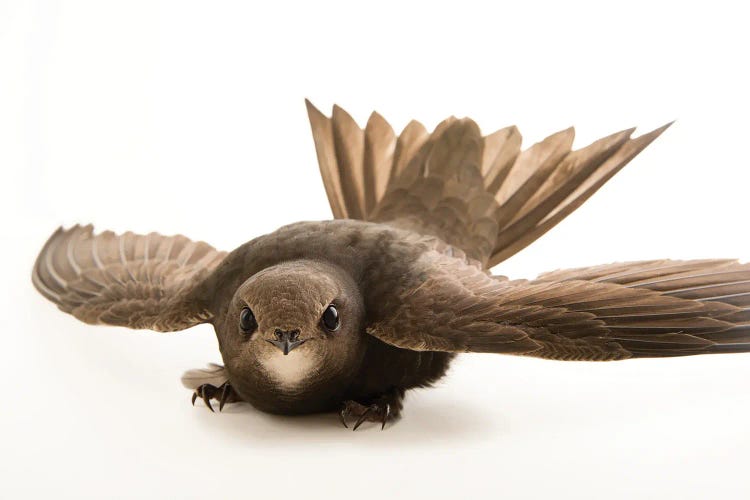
(292, 370)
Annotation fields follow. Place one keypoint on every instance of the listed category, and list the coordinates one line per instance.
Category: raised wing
(137, 281)
(618, 311)
(482, 194)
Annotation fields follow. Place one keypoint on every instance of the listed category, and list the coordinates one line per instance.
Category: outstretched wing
(481, 194)
(618, 311)
(138, 281)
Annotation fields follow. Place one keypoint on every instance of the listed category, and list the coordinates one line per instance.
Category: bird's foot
(382, 410)
(223, 394)
(374, 412)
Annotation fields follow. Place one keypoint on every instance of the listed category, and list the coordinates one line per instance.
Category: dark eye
(247, 321)
(330, 318)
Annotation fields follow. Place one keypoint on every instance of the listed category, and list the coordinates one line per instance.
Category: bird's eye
(247, 321)
(330, 319)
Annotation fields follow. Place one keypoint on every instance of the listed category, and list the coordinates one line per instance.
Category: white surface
(188, 117)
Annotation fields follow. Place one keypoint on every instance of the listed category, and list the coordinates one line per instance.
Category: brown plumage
(351, 313)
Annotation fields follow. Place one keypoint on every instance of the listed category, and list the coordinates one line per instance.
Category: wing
(618, 311)
(481, 194)
(138, 281)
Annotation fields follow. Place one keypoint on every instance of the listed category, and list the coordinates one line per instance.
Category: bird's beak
(286, 341)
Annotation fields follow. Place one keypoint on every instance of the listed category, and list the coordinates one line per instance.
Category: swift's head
(293, 329)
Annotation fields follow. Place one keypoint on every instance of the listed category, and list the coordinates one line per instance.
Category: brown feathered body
(376, 259)
(420, 219)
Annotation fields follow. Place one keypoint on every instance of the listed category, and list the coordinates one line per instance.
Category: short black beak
(286, 340)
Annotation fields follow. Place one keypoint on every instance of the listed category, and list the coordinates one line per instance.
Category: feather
(580, 314)
(501, 149)
(213, 374)
(408, 143)
(478, 193)
(128, 280)
(324, 146)
(380, 144)
(349, 147)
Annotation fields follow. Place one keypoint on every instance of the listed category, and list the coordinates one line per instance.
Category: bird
(345, 315)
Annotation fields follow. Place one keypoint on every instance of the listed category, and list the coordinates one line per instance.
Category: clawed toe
(376, 412)
(386, 414)
(343, 414)
(224, 394)
(362, 418)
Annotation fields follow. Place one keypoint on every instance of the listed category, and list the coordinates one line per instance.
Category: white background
(188, 117)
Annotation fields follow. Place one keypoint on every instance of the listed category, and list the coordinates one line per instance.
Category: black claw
(386, 413)
(195, 396)
(362, 417)
(343, 414)
(224, 396)
(207, 398)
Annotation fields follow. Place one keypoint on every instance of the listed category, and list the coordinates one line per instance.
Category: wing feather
(127, 280)
(324, 146)
(380, 145)
(408, 143)
(525, 234)
(349, 147)
(481, 194)
(616, 311)
(501, 149)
